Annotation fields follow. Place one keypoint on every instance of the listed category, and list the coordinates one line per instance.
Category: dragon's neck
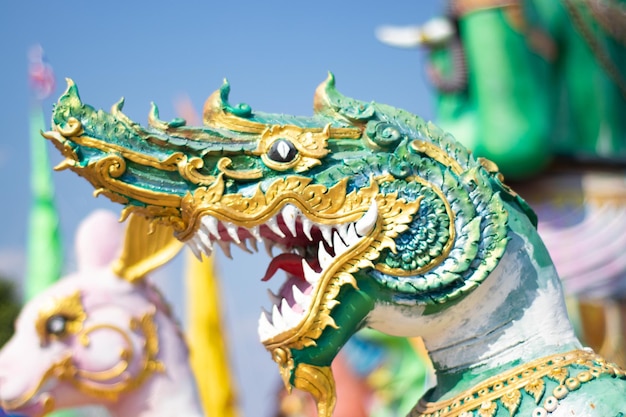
(516, 315)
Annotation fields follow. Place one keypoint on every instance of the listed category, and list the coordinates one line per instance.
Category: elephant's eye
(282, 151)
(56, 325)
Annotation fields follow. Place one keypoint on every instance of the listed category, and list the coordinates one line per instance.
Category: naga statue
(103, 335)
(382, 220)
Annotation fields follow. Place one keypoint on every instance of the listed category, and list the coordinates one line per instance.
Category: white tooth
(266, 330)
(323, 257)
(225, 248)
(299, 297)
(338, 244)
(253, 244)
(352, 236)
(195, 248)
(327, 233)
(275, 299)
(254, 231)
(243, 246)
(205, 241)
(211, 225)
(306, 226)
(232, 232)
(273, 226)
(290, 216)
(277, 320)
(269, 245)
(309, 274)
(366, 223)
(342, 229)
(291, 317)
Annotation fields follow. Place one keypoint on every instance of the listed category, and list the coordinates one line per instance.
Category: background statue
(96, 338)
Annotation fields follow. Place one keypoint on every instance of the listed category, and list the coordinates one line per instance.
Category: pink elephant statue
(99, 337)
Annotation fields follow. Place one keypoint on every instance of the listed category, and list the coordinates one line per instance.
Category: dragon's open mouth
(308, 249)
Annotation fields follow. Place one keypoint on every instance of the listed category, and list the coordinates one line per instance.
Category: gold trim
(311, 146)
(437, 154)
(325, 205)
(319, 382)
(321, 205)
(67, 370)
(251, 174)
(105, 171)
(507, 386)
(285, 362)
(117, 369)
(177, 161)
(147, 246)
(70, 307)
(213, 115)
(394, 215)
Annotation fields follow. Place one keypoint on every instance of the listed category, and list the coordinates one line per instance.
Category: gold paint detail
(48, 404)
(437, 154)
(285, 365)
(176, 161)
(311, 146)
(394, 216)
(167, 216)
(251, 174)
(103, 173)
(188, 168)
(147, 246)
(70, 307)
(319, 381)
(322, 205)
(116, 370)
(493, 169)
(66, 370)
(568, 370)
(110, 384)
(213, 115)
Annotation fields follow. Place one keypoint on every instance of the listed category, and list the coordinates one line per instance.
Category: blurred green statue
(527, 83)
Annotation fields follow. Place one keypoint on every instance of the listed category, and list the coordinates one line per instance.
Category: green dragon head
(369, 205)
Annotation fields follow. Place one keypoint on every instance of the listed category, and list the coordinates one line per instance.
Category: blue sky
(274, 54)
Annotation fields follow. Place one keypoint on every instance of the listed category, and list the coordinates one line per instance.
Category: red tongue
(289, 262)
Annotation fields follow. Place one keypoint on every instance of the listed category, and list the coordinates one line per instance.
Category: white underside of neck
(510, 317)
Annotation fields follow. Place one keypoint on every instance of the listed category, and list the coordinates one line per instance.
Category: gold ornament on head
(147, 246)
(69, 309)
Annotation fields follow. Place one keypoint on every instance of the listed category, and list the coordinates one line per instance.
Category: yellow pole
(207, 340)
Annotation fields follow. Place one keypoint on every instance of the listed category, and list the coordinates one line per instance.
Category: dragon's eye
(282, 151)
(56, 325)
